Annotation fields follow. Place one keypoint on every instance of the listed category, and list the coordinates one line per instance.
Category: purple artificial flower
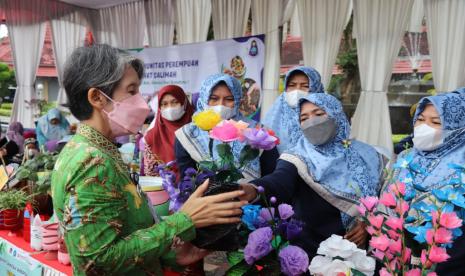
(260, 189)
(190, 172)
(266, 214)
(259, 139)
(258, 245)
(294, 261)
(285, 211)
(293, 229)
(273, 200)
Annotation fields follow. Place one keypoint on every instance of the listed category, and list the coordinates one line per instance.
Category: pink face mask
(128, 115)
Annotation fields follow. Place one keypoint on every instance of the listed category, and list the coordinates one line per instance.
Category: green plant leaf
(235, 257)
(248, 154)
(208, 165)
(241, 269)
(276, 242)
(355, 272)
(224, 151)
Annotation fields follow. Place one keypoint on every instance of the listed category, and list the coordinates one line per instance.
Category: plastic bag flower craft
(226, 166)
(338, 256)
(411, 236)
(267, 251)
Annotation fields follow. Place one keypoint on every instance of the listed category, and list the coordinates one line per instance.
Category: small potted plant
(12, 204)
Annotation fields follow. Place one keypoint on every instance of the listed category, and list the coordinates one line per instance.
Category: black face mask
(319, 130)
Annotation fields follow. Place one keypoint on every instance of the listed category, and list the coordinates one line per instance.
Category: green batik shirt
(108, 227)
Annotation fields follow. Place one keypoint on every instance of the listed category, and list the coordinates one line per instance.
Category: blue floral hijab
(341, 171)
(281, 117)
(433, 169)
(49, 131)
(196, 141)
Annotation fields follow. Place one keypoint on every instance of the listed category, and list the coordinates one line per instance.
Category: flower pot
(224, 237)
(63, 256)
(50, 236)
(12, 219)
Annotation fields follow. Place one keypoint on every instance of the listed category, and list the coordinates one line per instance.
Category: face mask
(293, 97)
(128, 115)
(319, 130)
(426, 138)
(225, 112)
(173, 113)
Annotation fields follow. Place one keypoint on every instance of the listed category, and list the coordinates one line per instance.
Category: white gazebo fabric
(380, 26)
(230, 18)
(322, 23)
(159, 15)
(121, 26)
(445, 21)
(68, 33)
(267, 16)
(27, 39)
(192, 20)
(415, 24)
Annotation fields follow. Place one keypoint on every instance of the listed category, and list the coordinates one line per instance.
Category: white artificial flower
(362, 262)
(319, 265)
(336, 246)
(338, 266)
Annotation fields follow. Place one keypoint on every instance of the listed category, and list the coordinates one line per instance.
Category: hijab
(196, 141)
(53, 132)
(432, 169)
(281, 118)
(160, 139)
(345, 169)
(15, 133)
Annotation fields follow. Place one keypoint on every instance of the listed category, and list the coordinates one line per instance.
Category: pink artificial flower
(378, 254)
(393, 234)
(240, 126)
(413, 272)
(371, 230)
(438, 254)
(361, 209)
(376, 221)
(225, 132)
(381, 242)
(388, 200)
(407, 255)
(430, 236)
(398, 188)
(450, 220)
(432, 274)
(395, 223)
(424, 260)
(395, 247)
(394, 265)
(384, 272)
(369, 202)
(402, 208)
(443, 235)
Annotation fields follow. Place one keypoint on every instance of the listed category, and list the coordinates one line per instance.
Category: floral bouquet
(410, 237)
(340, 257)
(226, 168)
(268, 251)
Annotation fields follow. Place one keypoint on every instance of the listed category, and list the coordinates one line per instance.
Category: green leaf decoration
(235, 257)
(208, 165)
(224, 151)
(241, 269)
(276, 242)
(248, 154)
(355, 272)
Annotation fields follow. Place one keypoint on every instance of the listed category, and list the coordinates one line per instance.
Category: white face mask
(426, 138)
(31, 153)
(225, 112)
(293, 97)
(173, 113)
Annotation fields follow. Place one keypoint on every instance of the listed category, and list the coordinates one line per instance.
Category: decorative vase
(50, 240)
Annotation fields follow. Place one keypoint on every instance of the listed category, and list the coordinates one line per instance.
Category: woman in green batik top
(108, 227)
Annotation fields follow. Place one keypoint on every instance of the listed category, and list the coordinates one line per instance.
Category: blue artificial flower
(450, 195)
(190, 172)
(419, 232)
(250, 215)
(424, 209)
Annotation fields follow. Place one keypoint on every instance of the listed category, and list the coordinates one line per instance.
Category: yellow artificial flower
(207, 119)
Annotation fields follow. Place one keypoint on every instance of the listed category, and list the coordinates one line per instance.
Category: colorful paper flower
(206, 120)
(259, 139)
(369, 202)
(285, 211)
(388, 200)
(293, 260)
(381, 242)
(258, 245)
(250, 215)
(225, 132)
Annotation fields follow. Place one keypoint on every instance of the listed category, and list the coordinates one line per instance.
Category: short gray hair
(97, 66)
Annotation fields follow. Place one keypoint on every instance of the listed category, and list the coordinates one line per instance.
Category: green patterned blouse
(107, 225)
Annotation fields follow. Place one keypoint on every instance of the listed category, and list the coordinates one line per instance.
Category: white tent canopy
(125, 24)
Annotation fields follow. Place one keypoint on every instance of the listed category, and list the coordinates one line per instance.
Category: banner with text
(189, 64)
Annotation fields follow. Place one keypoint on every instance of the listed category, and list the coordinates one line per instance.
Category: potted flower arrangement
(12, 204)
(223, 171)
(411, 237)
(268, 250)
(340, 257)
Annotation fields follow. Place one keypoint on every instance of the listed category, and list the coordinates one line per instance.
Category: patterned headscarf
(347, 169)
(282, 118)
(15, 133)
(432, 167)
(201, 138)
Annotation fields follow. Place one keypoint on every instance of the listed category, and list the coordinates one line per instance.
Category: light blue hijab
(431, 169)
(201, 139)
(281, 117)
(349, 170)
(52, 132)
